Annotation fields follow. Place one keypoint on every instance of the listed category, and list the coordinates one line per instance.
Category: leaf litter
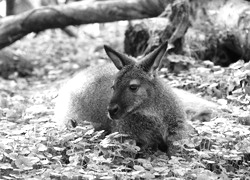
(33, 147)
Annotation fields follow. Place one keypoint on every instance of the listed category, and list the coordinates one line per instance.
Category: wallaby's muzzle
(113, 110)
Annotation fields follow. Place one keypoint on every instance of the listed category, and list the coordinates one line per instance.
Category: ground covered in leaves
(33, 147)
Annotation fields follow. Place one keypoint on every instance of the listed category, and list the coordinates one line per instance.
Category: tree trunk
(13, 28)
(10, 6)
(219, 32)
(144, 36)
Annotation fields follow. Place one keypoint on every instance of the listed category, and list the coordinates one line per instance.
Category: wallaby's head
(134, 85)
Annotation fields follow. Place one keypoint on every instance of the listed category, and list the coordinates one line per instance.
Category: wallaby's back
(85, 97)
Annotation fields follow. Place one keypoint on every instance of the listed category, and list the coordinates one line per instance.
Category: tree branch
(13, 28)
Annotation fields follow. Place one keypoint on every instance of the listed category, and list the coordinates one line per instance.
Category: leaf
(161, 169)
(138, 168)
(37, 109)
(12, 156)
(180, 171)
(5, 146)
(105, 142)
(12, 114)
(89, 132)
(33, 159)
(237, 65)
(247, 89)
(58, 148)
(25, 151)
(23, 163)
(45, 162)
(222, 102)
(203, 177)
(203, 155)
(97, 135)
(147, 165)
(148, 175)
(5, 166)
(41, 147)
(3, 102)
(247, 66)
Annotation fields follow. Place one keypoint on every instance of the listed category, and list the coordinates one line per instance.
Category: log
(220, 30)
(10, 4)
(16, 7)
(13, 28)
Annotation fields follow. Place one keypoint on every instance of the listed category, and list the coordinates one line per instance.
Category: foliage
(33, 147)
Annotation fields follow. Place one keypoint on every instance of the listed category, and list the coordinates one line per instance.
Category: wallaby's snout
(113, 110)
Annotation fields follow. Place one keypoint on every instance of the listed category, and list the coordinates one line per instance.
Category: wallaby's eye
(133, 87)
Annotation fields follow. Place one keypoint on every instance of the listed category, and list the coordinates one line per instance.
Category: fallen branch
(13, 28)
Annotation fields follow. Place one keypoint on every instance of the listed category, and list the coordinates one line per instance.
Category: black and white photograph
(124, 90)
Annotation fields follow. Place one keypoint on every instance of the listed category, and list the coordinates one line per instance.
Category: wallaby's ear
(120, 60)
(153, 60)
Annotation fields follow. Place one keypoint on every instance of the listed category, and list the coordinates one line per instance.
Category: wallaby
(129, 98)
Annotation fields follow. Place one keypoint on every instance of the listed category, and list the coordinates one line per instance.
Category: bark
(13, 28)
(219, 31)
(144, 36)
(10, 5)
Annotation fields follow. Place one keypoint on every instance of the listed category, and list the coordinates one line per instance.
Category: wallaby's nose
(113, 110)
